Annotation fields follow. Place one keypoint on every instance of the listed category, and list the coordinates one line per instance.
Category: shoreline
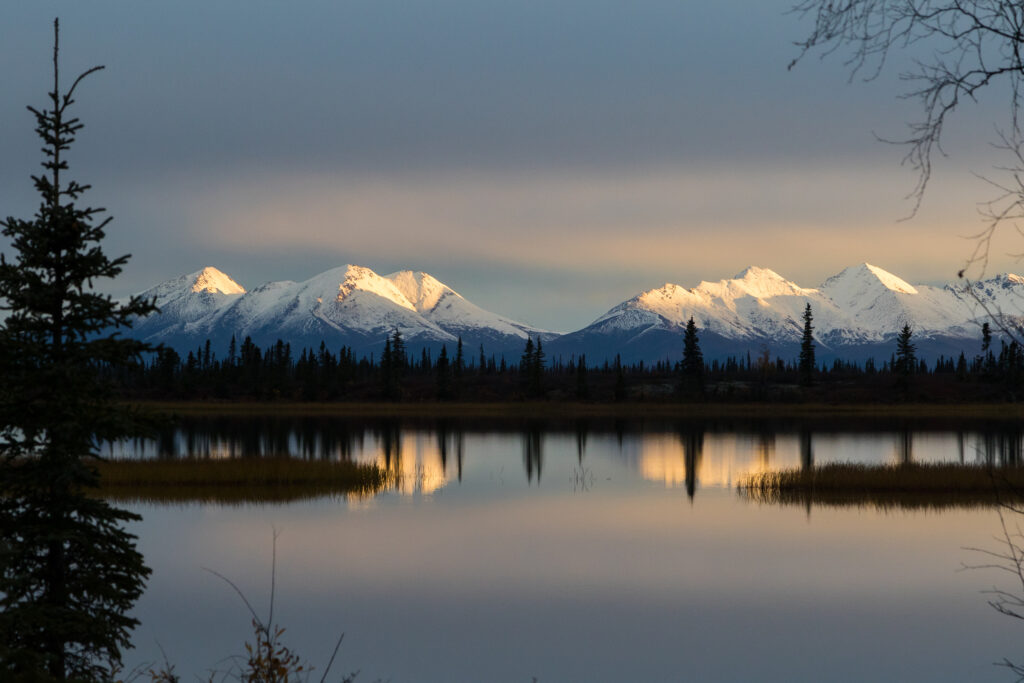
(1003, 412)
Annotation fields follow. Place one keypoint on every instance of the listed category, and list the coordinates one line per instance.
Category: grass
(889, 486)
(253, 480)
(578, 409)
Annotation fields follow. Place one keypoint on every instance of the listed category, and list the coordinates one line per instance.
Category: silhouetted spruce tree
(393, 362)
(398, 350)
(537, 370)
(458, 369)
(69, 572)
(693, 361)
(807, 349)
(906, 357)
(526, 366)
(443, 374)
(582, 390)
(620, 380)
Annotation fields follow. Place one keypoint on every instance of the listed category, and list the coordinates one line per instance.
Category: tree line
(281, 372)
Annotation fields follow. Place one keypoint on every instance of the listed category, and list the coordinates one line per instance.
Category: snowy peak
(208, 284)
(864, 277)
(880, 302)
(757, 274)
(422, 290)
(350, 305)
(211, 280)
(352, 279)
(861, 304)
(757, 282)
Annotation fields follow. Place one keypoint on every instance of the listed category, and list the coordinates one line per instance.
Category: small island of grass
(243, 480)
(905, 486)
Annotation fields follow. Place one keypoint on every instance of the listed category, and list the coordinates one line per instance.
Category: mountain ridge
(856, 312)
(349, 305)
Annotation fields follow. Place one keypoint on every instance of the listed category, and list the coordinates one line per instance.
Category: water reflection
(427, 456)
(905, 448)
(577, 536)
(806, 450)
(533, 454)
(581, 440)
(693, 449)
(1001, 448)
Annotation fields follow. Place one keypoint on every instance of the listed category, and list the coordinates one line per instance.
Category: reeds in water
(244, 480)
(888, 486)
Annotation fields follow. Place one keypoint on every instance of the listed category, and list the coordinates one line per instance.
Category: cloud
(661, 221)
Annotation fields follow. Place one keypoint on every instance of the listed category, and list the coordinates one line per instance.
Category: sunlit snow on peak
(421, 289)
(210, 279)
(867, 275)
(757, 273)
(362, 279)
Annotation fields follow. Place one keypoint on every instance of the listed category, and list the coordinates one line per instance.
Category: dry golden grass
(255, 480)
(889, 486)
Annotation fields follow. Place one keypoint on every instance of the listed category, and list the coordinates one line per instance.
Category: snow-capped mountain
(856, 313)
(350, 305)
(446, 308)
(186, 303)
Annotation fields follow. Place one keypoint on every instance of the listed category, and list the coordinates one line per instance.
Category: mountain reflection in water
(584, 550)
(425, 456)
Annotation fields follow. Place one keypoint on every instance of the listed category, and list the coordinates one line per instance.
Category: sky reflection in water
(504, 556)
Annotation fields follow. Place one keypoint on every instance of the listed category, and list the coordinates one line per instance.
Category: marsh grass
(250, 480)
(910, 486)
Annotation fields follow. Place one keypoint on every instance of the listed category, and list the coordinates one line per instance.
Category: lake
(582, 551)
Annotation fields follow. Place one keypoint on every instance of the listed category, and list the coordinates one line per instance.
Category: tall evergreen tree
(443, 374)
(620, 380)
(807, 349)
(460, 360)
(582, 390)
(69, 572)
(537, 370)
(458, 368)
(693, 361)
(526, 366)
(393, 362)
(906, 356)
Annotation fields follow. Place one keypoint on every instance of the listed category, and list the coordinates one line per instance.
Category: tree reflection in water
(762, 445)
(533, 455)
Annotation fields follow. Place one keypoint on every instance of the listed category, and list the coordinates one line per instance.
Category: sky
(546, 159)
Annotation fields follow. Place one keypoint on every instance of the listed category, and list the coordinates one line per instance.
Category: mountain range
(857, 314)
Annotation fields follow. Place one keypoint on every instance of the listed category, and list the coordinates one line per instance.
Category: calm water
(581, 552)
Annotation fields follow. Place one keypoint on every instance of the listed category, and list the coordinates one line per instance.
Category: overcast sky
(546, 158)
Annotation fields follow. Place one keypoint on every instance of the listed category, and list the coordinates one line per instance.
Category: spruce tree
(693, 361)
(906, 358)
(458, 368)
(393, 362)
(537, 370)
(582, 390)
(69, 572)
(526, 366)
(807, 361)
(620, 380)
(443, 374)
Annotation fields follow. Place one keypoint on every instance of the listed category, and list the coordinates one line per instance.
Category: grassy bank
(889, 486)
(572, 409)
(235, 481)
